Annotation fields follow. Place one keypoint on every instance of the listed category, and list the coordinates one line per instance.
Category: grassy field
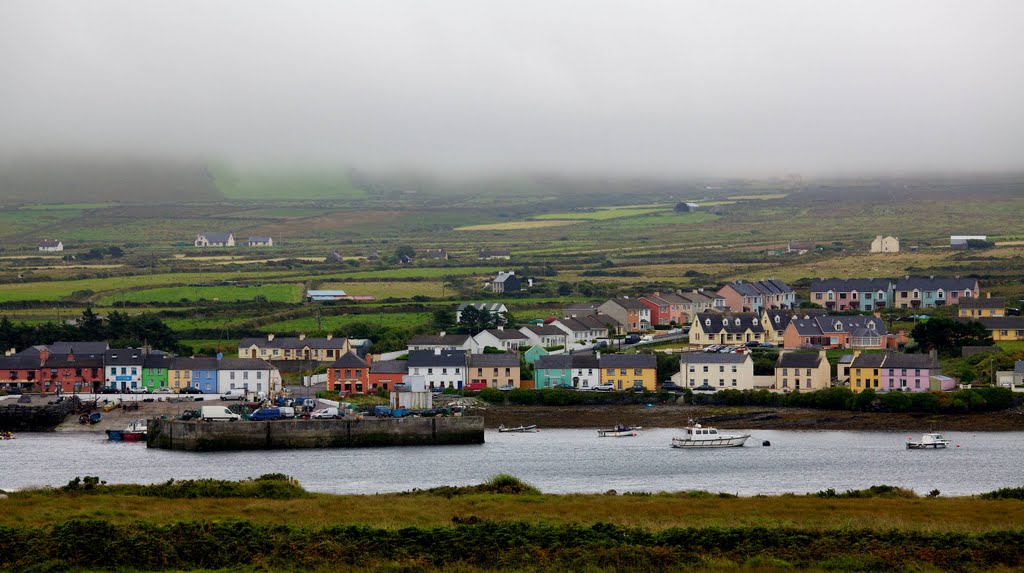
(297, 185)
(603, 214)
(516, 225)
(272, 292)
(390, 289)
(332, 323)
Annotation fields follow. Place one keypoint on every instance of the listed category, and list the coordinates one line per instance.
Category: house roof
(259, 239)
(439, 340)
(491, 307)
(1018, 367)
(823, 324)
(728, 322)
(873, 360)
(293, 343)
(553, 362)
(585, 361)
(586, 323)
(200, 363)
(19, 362)
(629, 361)
(84, 347)
(435, 253)
(546, 330)
(629, 303)
(244, 364)
(505, 276)
(658, 300)
(851, 285)
(124, 356)
(348, 360)
(315, 293)
(713, 358)
(390, 367)
(507, 359)
(999, 322)
(779, 319)
(581, 307)
(80, 361)
(155, 360)
(49, 243)
(993, 302)
(900, 360)
(506, 334)
(419, 358)
(761, 288)
(799, 360)
(936, 283)
(699, 297)
(216, 237)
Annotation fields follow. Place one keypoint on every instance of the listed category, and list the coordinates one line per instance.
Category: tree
(948, 336)
(682, 207)
(405, 251)
(115, 252)
(444, 319)
(668, 365)
(90, 327)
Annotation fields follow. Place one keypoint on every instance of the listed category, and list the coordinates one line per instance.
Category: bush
(1005, 493)
(883, 491)
(267, 486)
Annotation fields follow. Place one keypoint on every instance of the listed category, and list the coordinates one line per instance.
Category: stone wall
(202, 436)
(22, 418)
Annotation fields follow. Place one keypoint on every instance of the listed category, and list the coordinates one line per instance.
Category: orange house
(350, 373)
(386, 373)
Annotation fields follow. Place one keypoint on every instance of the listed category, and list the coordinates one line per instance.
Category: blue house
(552, 371)
(204, 374)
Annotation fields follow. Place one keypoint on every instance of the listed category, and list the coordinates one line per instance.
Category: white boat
(931, 440)
(697, 436)
(619, 431)
(518, 429)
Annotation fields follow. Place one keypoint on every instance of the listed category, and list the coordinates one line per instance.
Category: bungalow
(719, 371)
(51, 245)
(1002, 327)
(300, 347)
(215, 240)
(553, 371)
(506, 282)
(123, 368)
(630, 371)
(495, 370)
(495, 254)
(586, 371)
(440, 368)
(546, 336)
(632, 314)
(864, 295)
(982, 307)
(501, 339)
(350, 373)
(325, 295)
(442, 341)
(387, 373)
(796, 371)
(824, 331)
(251, 374)
(261, 242)
(495, 308)
(929, 292)
(753, 296)
(440, 254)
(736, 328)
(584, 329)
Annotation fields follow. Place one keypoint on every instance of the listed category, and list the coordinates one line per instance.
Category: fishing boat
(518, 429)
(619, 431)
(932, 440)
(134, 432)
(697, 436)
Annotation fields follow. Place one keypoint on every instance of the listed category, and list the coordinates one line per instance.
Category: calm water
(556, 461)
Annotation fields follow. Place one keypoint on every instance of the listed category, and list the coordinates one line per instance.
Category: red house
(350, 373)
(71, 373)
(386, 373)
(20, 371)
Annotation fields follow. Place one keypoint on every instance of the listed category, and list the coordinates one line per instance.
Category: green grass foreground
(501, 525)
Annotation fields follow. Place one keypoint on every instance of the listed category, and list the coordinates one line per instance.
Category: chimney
(369, 359)
(442, 334)
(988, 294)
(270, 338)
(599, 355)
(330, 336)
(43, 355)
(501, 328)
(934, 354)
(657, 293)
(856, 353)
(437, 352)
(302, 336)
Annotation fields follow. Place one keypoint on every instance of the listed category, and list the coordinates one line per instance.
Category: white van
(287, 411)
(234, 394)
(325, 413)
(212, 413)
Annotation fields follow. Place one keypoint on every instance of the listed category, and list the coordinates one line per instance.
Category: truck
(218, 413)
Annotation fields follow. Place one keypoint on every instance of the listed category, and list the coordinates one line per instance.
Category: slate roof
(420, 358)
(799, 360)
(585, 361)
(546, 330)
(868, 361)
(293, 342)
(155, 359)
(390, 367)
(698, 297)
(1018, 367)
(855, 325)
(713, 358)
(999, 322)
(851, 285)
(439, 340)
(747, 320)
(506, 334)
(929, 283)
(506, 360)
(49, 243)
(993, 302)
(586, 323)
(259, 239)
(503, 276)
(554, 362)
(124, 357)
(629, 303)
(216, 237)
(581, 307)
(900, 360)
(491, 307)
(200, 363)
(245, 364)
(761, 288)
(779, 319)
(80, 361)
(348, 360)
(19, 362)
(629, 361)
(435, 253)
(61, 347)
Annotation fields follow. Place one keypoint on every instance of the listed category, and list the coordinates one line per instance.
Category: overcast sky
(676, 87)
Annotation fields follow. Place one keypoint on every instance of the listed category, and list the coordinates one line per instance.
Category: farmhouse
(495, 254)
(888, 244)
(261, 242)
(506, 282)
(961, 241)
(51, 245)
(215, 240)
(441, 254)
(299, 347)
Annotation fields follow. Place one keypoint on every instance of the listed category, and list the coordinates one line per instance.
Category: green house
(553, 371)
(534, 353)
(154, 371)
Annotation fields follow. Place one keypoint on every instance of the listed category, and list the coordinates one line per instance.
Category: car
(109, 390)
(713, 348)
(507, 388)
(631, 339)
(604, 388)
(767, 345)
(726, 349)
(476, 386)
(601, 344)
(138, 391)
(437, 390)
(752, 344)
(190, 390)
(163, 390)
(671, 387)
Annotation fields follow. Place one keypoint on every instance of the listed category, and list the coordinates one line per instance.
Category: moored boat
(519, 429)
(135, 432)
(931, 440)
(619, 431)
(697, 436)
(5, 435)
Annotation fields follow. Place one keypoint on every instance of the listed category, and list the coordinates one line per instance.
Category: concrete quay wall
(202, 436)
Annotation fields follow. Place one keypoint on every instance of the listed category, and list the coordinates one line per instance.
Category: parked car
(218, 413)
(234, 394)
(437, 390)
(190, 390)
(507, 388)
(476, 386)
(109, 390)
(138, 391)
(324, 414)
(712, 348)
(604, 388)
(601, 344)
(381, 411)
(767, 345)
(163, 390)
(631, 339)
(265, 414)
(752, 344)
(671, 387)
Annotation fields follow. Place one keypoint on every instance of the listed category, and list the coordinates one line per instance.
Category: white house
(123, 368)
(215, 240)
(496, 308)
(439, 368)
(888, 244)
(583, 329)
(443, 341)
(719, 371)
(51, 245)
(412, 393)
(261, 242)
(585, 371)
(501, 338)
(252, 374)
(545, 336)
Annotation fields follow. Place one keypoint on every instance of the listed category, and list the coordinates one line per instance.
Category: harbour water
(556, 461)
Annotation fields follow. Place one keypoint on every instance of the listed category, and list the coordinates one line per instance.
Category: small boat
(5, 435)
(697, 436)
(619, 431)
(519, 429)
(135, 432)
(95, 418)
(114, 435)
(83, 419)
(933, 440)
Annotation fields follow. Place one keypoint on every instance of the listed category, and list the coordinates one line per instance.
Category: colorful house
(349, 373)
(666, 309)
(753, 296)
(386, 373)
(495, 370)
(929, 292)
(629, 371)
(179, 374)
(734, 329)
(272, 347)
(123, 368)
(535, 352)
(553, 371)
(154, 370)
(204, 374)
(251, 374)
(440, 368)
(586, 371)
(802, 371)
(70, 373)
(912, 373)
(865, 372)
(986, 307)
(863, 295)
(1002, 328)
(632, 314)
(824, 331)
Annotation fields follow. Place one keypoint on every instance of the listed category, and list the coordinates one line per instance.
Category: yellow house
(982, 307)
(802, 371)
(733, 329)
(298, 347)
(774, 323)
(179, 374)
(866, 371)
(1002, 328)
(628, 371)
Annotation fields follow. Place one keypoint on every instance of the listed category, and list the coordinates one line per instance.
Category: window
(611, 372)
(734, 368)
(233, 376)
(622, 372)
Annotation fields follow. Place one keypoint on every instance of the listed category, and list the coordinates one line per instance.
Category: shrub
(1005, 493)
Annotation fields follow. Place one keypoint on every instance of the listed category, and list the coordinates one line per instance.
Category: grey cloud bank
(655, 88)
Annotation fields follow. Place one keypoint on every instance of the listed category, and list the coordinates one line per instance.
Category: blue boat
(114, 435)
(95, 418)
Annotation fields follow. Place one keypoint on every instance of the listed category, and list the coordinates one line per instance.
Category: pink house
(913, 373)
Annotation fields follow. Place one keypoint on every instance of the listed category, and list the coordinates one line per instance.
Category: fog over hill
(660, 88)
